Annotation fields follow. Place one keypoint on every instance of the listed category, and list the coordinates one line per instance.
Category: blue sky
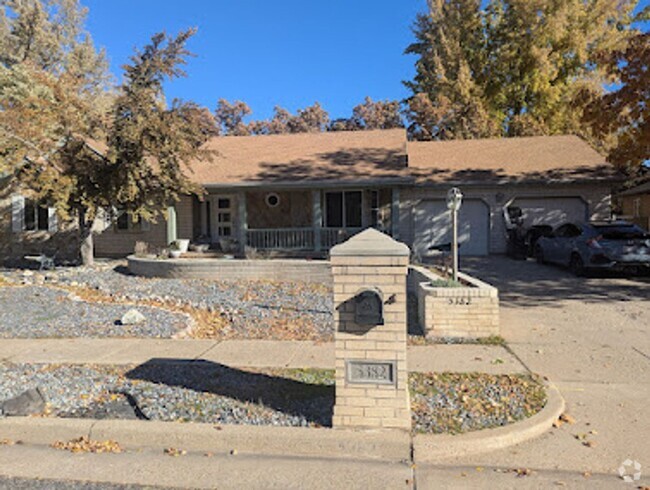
(266, 53)
(273, 52)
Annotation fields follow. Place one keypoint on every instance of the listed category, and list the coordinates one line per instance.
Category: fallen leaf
(172, 451)
(565, 417)
(85, 445)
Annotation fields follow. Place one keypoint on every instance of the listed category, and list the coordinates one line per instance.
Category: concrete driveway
(590, 336)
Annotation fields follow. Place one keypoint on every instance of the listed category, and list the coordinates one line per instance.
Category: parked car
(619, 245)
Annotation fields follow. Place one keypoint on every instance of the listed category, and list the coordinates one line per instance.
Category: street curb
(385, 445)
(433, 448)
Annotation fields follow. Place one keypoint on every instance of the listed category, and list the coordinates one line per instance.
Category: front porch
(292, 220)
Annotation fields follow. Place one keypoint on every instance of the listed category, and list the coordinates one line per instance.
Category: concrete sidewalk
(247, 353)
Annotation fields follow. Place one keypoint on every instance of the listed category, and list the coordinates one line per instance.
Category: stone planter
(471, 311)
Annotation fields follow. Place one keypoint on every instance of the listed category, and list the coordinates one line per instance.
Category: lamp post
(454, 201)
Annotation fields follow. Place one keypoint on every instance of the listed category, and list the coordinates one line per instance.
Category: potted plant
(174, 250)
(183, 244)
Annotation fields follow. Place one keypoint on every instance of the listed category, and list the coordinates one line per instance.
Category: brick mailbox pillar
(369, 276)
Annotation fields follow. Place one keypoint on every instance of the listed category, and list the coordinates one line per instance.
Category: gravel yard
(40, 312)
(244, 309)
(201, 391)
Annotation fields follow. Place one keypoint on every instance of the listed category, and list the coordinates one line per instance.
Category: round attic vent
(272, 200)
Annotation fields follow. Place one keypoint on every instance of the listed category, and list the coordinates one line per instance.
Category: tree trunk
(86, 249)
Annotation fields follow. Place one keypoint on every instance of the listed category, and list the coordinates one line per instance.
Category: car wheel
(539, 255)
(577, 266)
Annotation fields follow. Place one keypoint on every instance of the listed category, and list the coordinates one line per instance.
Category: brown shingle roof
(346, 156)
(536, 158)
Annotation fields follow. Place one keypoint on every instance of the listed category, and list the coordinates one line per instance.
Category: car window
(621, 231)
(573, 231)
(568, 231)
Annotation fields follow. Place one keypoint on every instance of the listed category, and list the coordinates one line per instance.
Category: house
(634, 204)
(304, 193)
(552, 179)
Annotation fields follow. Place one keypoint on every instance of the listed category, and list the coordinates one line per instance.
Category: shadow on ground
(526, 283)
(313, 401)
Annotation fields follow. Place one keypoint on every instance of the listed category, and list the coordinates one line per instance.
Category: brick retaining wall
(282, 270)
(467, 312)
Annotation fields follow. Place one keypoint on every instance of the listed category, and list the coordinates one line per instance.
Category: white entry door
(432, 226)
(222, 216)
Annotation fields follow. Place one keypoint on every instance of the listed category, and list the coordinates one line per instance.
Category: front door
(222, 217)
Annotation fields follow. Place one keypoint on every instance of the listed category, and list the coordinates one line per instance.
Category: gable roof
(334, 157)
(564, 158)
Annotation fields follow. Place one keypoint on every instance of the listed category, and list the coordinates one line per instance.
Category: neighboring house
(634, 204)
(307, 192)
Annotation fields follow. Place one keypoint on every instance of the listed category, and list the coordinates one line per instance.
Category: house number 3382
(460, 301)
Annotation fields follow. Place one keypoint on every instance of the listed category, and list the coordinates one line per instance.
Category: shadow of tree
(313, 401)
(528, 284)
(584, 173)
(349, 164)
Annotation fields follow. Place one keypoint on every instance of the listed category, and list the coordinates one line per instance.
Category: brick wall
(369, 404)
(466, 312)
(282, 270)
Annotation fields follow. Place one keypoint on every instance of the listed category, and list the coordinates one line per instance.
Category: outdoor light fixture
(454, 201)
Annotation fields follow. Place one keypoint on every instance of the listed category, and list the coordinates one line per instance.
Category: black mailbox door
(369, 308)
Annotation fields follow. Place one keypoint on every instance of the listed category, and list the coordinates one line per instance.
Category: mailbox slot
(369, 307)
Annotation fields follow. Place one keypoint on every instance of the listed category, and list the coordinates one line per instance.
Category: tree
(151, 145)
(626, 111)
(49, 68)
(311, 119)
(53, 98)
(448, 100)
(512, 67)
(383, 114)
(230, 118)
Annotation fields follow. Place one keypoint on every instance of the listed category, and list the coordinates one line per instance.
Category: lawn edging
(429, 448)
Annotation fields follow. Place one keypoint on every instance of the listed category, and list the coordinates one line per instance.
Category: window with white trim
(29, 215)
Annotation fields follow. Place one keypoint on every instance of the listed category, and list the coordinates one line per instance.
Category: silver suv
(616, 245)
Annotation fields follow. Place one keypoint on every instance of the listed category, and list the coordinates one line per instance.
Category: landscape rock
(30, 402)
(132, 317)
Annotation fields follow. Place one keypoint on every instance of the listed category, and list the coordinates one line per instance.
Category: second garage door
(552, 211)
(432, 226)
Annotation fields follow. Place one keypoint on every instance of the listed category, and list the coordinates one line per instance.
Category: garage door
(552, 210)
(432, 225)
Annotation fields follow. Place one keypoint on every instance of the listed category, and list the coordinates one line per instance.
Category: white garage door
(432, 225)
(552, 211)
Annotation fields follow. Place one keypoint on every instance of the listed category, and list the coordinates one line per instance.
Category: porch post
(317, 218)
(243, 220)
(203, 216)
(394, 214)
(171, 225)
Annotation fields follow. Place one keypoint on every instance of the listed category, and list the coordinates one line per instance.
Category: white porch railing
(281, 238)
(297, 238)
(334, 236)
